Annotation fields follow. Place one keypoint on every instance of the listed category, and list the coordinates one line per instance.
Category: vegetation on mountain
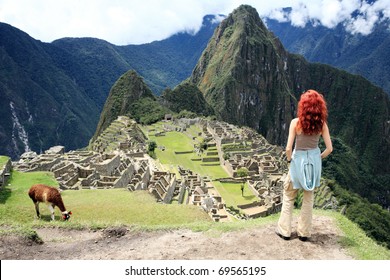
(240, 74)
(366, 55)
(131, 97)
(372, 218)
(186, 96)
(40, 105)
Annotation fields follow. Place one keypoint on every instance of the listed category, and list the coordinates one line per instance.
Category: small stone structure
(5, 171)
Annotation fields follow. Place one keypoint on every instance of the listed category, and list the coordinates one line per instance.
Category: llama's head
(66, 215)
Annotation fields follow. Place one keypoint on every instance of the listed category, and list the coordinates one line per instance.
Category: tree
(151, 147)
(242, 172)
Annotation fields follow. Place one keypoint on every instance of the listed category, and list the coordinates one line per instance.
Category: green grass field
(94, 208)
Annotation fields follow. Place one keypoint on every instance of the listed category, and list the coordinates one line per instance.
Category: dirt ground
(122, 244)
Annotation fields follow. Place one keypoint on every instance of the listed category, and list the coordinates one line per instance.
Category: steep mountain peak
(129, 88)
(245, 22)
(247, 15)
(242, 70)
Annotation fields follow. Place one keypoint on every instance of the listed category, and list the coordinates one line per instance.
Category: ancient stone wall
(5, 171)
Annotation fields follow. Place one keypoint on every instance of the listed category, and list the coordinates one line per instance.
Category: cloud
(358, 16)
(369, 15)
(117, 21)
(140, 21)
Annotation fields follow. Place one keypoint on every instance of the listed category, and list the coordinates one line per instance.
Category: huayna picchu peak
(242, 75)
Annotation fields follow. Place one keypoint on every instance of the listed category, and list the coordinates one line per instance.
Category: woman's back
(304, 142)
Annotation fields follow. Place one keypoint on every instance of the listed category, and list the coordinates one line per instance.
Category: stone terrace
(266, 165)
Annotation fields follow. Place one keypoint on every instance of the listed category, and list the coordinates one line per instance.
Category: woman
(305, 162)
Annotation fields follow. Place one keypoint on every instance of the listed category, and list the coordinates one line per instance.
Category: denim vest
(305, 169)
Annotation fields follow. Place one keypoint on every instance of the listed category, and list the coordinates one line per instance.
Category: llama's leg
(51, 208)
(37, 209)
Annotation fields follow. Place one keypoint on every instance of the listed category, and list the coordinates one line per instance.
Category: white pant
(306, 214)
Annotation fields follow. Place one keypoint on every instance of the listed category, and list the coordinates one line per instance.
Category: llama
(51, 196)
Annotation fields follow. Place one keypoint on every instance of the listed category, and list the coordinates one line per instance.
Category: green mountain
(186, 97)
(130, 97)
(366, 55)
(40, 105)
(249, 79)
(241, 75)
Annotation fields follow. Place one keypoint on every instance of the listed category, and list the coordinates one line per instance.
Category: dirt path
(119, 243)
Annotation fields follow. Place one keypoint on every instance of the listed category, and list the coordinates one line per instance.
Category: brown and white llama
(49, 195)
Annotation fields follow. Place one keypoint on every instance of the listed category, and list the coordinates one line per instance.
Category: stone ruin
(265, 163)
(201, 192)
(5, 172)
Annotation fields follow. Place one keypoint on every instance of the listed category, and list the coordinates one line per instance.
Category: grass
(93, 208)
(231, 194)
(355, 240)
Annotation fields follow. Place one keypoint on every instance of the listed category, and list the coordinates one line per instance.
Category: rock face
(250, 79)
(242, 73)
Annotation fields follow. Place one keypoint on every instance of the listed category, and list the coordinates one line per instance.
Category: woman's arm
(291, 137)
(327, 140)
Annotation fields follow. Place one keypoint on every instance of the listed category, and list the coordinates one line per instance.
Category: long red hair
(312, 112)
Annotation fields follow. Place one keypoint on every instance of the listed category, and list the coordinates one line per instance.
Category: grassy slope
(93, 208)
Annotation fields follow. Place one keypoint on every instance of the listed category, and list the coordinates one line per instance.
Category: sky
(124, 22)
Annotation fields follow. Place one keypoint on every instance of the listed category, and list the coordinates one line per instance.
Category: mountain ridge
(366, 55)
(34, 90)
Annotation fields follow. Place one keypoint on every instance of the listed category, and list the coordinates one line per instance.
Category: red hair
(312, 112)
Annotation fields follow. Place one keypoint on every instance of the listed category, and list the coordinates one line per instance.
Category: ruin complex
(118, 158)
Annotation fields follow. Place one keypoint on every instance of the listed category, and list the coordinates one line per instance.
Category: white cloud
(330, 13)
(140, 21)
(369, 16)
